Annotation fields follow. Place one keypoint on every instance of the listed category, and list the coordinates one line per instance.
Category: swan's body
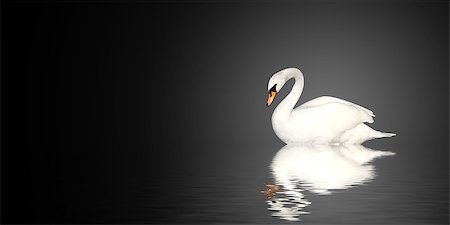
(321, 120)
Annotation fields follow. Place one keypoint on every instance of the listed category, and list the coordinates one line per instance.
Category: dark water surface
(400, 192)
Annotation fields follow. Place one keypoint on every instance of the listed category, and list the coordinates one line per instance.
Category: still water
(315, 185)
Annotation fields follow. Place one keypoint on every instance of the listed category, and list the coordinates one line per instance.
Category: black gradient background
(102, 102)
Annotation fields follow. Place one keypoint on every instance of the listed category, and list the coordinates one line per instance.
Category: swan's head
(277, 81)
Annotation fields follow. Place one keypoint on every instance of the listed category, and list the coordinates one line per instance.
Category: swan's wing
(333, 117)
(328, 99)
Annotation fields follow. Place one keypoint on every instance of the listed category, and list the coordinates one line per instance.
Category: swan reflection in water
(318, 169)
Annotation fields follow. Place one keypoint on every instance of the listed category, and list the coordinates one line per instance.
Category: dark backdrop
(99, 98)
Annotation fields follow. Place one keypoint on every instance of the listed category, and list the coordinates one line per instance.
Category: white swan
(321, 120)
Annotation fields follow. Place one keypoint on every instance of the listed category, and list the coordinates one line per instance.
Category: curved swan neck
(288, 103)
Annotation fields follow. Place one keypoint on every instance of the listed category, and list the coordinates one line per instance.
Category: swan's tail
(380, 134)
(362, 133)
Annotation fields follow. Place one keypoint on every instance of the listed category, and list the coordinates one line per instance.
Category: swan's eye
(273, 89)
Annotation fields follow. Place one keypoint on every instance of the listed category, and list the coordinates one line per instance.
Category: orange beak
(271, 97)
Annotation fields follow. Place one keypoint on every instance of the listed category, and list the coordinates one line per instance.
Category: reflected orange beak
(271, 97)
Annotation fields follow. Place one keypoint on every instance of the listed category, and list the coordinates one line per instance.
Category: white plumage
(321, 120)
